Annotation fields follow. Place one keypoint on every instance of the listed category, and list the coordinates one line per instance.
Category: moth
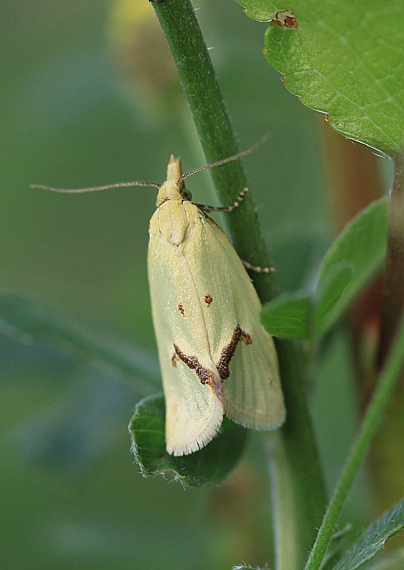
(215, 356)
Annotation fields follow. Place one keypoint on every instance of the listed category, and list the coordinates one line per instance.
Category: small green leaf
(344, 59)
(261, 10)
(394, 561)
(329, 295)
(205, 467)
(373, 539)
(289, 315)
(352, 260)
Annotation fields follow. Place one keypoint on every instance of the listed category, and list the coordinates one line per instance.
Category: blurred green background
(90, 97)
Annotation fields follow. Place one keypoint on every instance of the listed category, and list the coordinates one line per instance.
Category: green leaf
(289, 315)
(205, 467)
(343, 59)
(329, 295)
(395, 561)
(352, 260)
(245, 567)
(28, 322)
(373, 539)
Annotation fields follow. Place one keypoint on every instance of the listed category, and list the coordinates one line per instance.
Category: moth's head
(174, 187)
(174, 170)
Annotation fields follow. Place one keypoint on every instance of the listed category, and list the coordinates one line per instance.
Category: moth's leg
(206, 208)
(258, 269)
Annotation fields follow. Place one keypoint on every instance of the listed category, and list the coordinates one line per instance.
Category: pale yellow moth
(215, 356)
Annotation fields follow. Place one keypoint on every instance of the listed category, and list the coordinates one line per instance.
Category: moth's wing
(194, 411)
(252, 392)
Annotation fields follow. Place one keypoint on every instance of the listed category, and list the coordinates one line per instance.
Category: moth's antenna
(154, 184)
(226, 160)
(96, 188)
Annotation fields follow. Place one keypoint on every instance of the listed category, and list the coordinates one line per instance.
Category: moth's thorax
(175, 221)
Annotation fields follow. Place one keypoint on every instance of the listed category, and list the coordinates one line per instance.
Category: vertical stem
(301, 508)
(374, 414)
(286, 541)
(198, 78)
(301, 495)
(393, 292)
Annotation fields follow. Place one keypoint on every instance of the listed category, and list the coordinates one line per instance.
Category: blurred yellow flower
(142, 58)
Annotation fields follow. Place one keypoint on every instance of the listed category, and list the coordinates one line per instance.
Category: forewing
(194, 411)
(252, 391)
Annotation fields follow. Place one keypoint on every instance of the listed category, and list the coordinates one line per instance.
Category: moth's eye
(185, 193)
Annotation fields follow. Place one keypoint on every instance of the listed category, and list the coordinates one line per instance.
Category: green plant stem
(301, 492)
(374, 414)
(393, 290)
(198, 78)
(299, 451)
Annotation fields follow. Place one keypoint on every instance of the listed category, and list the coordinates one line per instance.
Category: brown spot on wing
(246, 338)
(208, 300)
(228, 351)
(174, 359)
(181, 309)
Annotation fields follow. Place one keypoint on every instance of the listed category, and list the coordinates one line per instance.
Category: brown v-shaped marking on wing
(228, 351)
(205, 375)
